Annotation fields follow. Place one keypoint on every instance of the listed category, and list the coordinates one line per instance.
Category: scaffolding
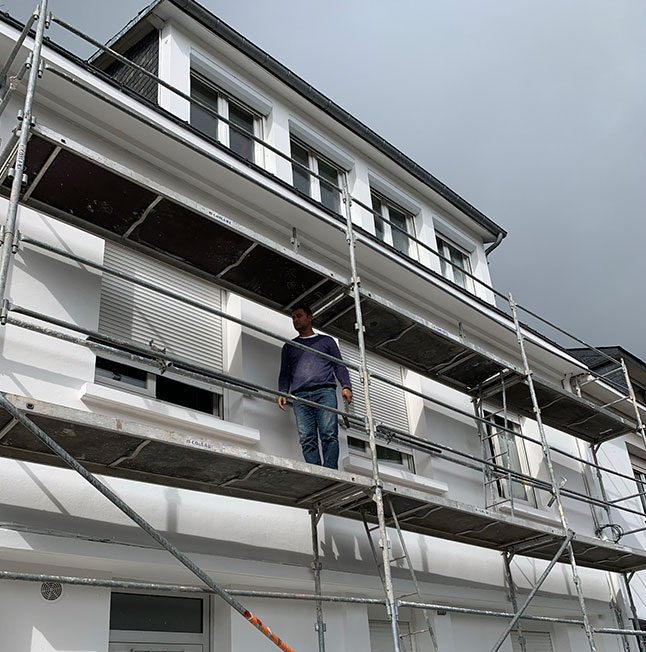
(595, 408)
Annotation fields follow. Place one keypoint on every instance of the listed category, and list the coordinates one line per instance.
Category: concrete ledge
(362, 466)
(531, 513)
(156, 413)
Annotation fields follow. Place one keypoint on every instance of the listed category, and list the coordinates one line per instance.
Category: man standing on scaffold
(312, 377)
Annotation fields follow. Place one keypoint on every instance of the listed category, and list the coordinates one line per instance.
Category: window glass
(121, 373)
(300, 176)
(323, 184)
(459, 264)
(394, 225)
(329, 185)
(201, 119)
(155, 613)
(507, 449)
(400, 239)
(194, 398)
(379, 222)
(640, 476)
(239, 140)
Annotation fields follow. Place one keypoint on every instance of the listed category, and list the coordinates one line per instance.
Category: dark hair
(301, 306)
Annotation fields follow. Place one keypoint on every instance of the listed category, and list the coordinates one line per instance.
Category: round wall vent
(51, 591)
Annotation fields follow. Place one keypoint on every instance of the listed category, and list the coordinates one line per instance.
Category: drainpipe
(499, 239)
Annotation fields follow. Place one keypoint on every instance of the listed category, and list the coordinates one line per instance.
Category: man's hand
(346, 392)
(282, 401)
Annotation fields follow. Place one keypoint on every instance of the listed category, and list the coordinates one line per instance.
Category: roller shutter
(534, 642)
(381, 638)
(135, 313)
(388, 403)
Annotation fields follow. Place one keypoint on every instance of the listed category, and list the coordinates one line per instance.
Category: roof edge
(234, 38)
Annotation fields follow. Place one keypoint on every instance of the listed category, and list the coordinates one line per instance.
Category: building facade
(228, 182)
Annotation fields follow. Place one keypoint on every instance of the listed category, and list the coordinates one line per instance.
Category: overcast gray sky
(532, 111)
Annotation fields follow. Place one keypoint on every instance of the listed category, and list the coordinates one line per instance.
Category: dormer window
(393, 223)
(244, 124)
(325, 182)
(460, 263)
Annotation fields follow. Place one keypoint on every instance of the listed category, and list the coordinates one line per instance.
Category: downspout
(499, 239)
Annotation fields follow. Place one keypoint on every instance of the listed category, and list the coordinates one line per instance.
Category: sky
(532, 111)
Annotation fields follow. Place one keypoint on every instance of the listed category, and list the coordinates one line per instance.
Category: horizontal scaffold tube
(127, 62)
(205, 374)
(219, 313)
(152, 124)
(281, 595)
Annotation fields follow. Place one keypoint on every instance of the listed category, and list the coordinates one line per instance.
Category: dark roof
(281, 72)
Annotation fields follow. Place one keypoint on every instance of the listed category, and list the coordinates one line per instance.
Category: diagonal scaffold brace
(32, 427)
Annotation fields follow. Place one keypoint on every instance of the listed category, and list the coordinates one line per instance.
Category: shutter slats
(136, 313)
(388, 403)
(534, 642)
(381, 638)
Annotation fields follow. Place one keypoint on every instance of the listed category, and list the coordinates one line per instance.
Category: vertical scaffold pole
(9, 231)
(507, 557)
(556, 489)
(370, 425)
(633, 609)
(315, 517)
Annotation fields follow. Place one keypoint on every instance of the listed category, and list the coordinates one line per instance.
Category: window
(324, 187)
(460, 263)
(508, 451)
(639, 471)
(388, 406)
(158, 623)
(163, 388)
(384, 453)
(245, 124)
(395, 224)
(137, 314)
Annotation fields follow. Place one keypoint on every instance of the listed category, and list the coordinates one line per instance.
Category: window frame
(150, 390)
(496, 451)
(444, 244)
(408, 460)
(385, 225)
(169, 638)
(224, 100)
(314, 181)
(639, 469)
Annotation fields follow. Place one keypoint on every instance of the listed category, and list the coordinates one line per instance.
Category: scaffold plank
(181, 459)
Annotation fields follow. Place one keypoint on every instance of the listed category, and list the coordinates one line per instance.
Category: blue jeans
(313, 423)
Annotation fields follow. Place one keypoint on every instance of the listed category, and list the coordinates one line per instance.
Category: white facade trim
(394, 193)
(153, 412)
(363, 466)
(320, 144)
(229, 82)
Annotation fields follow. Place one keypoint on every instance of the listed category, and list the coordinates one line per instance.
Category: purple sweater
(300, 370)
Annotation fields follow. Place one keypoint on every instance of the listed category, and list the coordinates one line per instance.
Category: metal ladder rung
(406, 595)
(415, 633)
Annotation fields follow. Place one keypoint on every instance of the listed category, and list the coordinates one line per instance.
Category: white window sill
(160, 414)
(531, 513)
(362, 466)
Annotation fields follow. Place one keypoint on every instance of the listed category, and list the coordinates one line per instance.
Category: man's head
(302, 319)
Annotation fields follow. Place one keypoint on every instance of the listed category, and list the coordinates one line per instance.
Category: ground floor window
(158, 623)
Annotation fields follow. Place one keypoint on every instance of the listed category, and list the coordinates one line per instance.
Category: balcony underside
(114, 446)
(91, 195)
